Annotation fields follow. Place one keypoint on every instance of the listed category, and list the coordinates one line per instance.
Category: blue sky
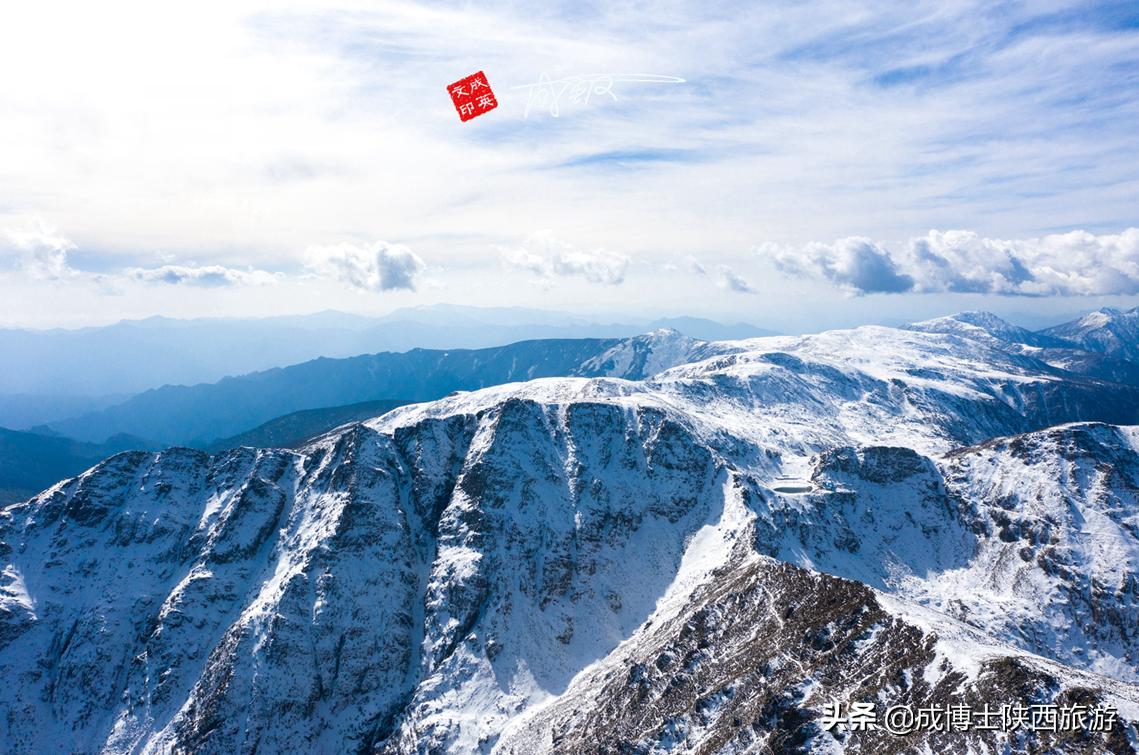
(823, 163)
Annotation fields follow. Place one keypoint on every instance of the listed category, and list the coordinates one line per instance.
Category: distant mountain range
(22, 411)
(294, 429)
(55, 375)
(82, 366)
(284, 407)
(30, 462)
(1097, 346)
(200, 415)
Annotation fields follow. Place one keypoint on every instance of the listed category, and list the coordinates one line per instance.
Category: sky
(796, 165)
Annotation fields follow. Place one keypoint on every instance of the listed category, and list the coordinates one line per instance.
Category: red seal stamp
(472, 96)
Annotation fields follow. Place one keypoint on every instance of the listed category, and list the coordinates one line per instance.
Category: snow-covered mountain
(988, 325)
(1109, 355)
(696, 560)
(1109, 331)
(646, 355)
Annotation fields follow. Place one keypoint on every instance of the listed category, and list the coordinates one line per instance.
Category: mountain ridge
(463, 575)
(199, 415)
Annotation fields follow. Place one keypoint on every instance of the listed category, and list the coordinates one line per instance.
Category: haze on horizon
(824, 164)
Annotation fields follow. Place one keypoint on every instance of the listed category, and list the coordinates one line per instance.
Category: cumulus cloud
(1068, 264)
(854, 263)
(380, 267)
(1075, 264)
(205, 276)
(546, 256)
(42, 251)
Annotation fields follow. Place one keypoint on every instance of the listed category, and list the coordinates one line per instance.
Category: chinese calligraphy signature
(549, 94)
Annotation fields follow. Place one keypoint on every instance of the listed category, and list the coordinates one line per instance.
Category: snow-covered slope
(1057, 514)
(1072, 347)
(693, 562)
(1109, 331)
(744, 665)
(644, 356)
(986, 324)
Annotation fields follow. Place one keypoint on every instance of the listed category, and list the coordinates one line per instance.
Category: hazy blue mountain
(295, 428)
(30, 462)
(200, 414)
(23, 411)
(132, 356)
(274, 408)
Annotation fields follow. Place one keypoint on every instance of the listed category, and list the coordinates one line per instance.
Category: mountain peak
(981, 324)
(968, 322)
(1105, 315)
(1107, 330)
(646, 355)
(982, 318)
(977, 318)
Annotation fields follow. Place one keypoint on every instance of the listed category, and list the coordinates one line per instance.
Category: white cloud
(855, 263)
(205, 276)
(42, 251)
(381, 267)
(1078, 263)
(43, 255)
(730, 280)
(546, 256)
(285, 113)
(726, 278)
(275, 127)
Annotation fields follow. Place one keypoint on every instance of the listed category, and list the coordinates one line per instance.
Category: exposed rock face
(748, 663)
(696, 562)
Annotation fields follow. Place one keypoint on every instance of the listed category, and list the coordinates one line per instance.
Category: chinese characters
(472, 96)
(906, 719)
